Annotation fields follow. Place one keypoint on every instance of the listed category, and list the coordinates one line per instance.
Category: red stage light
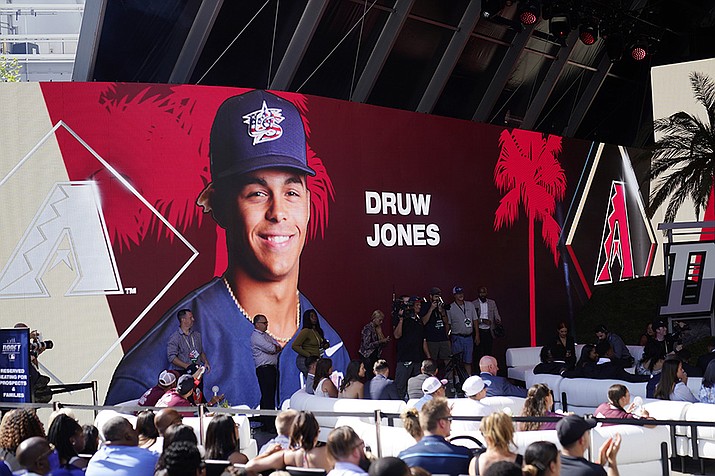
(527, 18)
(638, 53)
(587, 38)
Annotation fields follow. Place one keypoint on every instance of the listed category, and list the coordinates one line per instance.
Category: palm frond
(550, 233)
(704, 91)
(508, 210)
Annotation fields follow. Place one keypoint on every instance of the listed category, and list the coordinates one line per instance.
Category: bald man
(164, 418)
(34, 454)
(499, 386)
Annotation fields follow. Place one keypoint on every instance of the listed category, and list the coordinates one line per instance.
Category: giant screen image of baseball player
(259, 195)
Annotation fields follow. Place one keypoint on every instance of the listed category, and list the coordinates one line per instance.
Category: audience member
(381, 387)
(389, 466)
(183, 459)
(619, 405)
(498, 431)
(673, 383)
(431, 388)
(647, 335)
(411, 423)
(265, 350)
(146, 429)
(348, 451)
(284, 423)
(707, 387)
(475, 389)
(565, 344)
(541, 458)
(17, 425)
(652, 361)
(503, 468)
(462, 318)
(352, 385)
(552, 362)
(489, 318)
(222, 440)
(164, 418)
(67, 436)
(539, 403)
(120, 455)
(167, 381)
(310, 363)
(590, 366)
(322, 385)
(414, 384)
(433, 452)
(179, 396)
(663, 338)
(60, 411)
(305, 453)
(436, 326)
(417, 471)
(35, 455)
(408, 332)
(91, 439)
(704, 360)
(179, 432)
(497, 386)
(621, 354)
(575, 437)
(372, 341)
(310, 341)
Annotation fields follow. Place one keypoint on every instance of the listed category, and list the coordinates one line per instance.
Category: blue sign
(15, 366)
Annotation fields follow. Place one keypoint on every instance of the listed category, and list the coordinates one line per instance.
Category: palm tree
(528, 173)
(683, 160)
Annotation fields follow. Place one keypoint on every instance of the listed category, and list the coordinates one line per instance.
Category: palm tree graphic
(683, 160)
(528, 173)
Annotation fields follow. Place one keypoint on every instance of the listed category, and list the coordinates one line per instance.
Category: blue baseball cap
(254, 131)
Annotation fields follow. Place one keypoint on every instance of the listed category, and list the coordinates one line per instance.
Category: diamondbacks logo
(615, 247)
(264, 124)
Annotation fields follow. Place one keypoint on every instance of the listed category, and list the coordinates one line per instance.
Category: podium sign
(15, 366)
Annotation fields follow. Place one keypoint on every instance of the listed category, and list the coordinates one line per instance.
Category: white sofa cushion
(392, 439)
(584, 395)
(553, 381)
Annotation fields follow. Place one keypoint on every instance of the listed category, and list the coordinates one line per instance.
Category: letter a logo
(68, 228)
(616, 239)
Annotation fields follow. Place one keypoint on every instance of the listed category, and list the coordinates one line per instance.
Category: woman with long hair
(222, 440)
(673, 383)
(565, 342)
(498, 431)
(619, 405)
(411, 423)
(652, 361)
(17, 426)
(67, 436)
(309, 341)
(372, 341)
(539, 403)
(541, 458)
(707, 387)
(146, 429)
(322, 385)
(352, 385)
(303, 451)
(91, 439)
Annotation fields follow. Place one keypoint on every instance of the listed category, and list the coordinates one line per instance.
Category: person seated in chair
(380, 387)
(498, 386)
(553, 360)
(414, 384)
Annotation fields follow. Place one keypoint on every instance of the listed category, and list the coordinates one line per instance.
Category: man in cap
(575, 437)
(475, 389)
(409, 335)
(434, 318)
(462, 315)
(432, 387)
(414, 384)
(167, 380)
(179, 396)
(260, 197)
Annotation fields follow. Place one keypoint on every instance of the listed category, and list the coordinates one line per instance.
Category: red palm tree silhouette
(528, 173)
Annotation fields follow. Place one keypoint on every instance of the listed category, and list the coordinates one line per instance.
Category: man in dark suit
(380, 387)
(553, 361)
(704, 360)
(499, 386)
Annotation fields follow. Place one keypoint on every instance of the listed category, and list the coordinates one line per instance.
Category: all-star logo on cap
(264, 124)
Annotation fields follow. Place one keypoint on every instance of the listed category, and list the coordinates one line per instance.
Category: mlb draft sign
(107, 224)
(15, 366)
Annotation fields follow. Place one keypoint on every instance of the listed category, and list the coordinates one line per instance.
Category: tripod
(456, 373)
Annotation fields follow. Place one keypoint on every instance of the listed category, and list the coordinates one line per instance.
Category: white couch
(247, 444)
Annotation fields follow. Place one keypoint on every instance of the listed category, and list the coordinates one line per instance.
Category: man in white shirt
(265, 350)
(462, 316)
(475, 389)
(348, 451)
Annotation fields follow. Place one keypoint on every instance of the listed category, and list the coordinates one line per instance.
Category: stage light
(639, 50)
(491, 8)
(615, 44)
(560, 26)
(588, 31)
(529, 11)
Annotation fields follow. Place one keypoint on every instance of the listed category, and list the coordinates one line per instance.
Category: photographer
(408, 332)
(434, 318)
(38, 382)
